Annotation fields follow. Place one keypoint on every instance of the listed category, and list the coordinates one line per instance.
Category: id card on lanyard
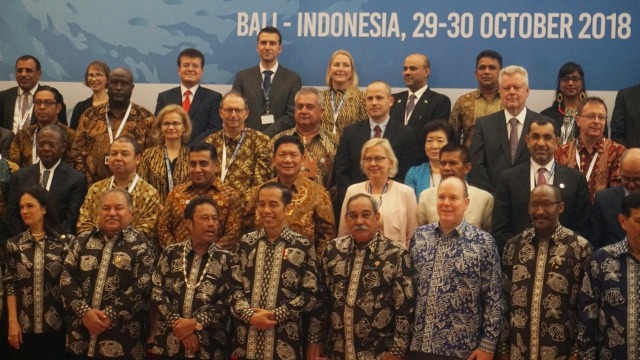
(225, 168)
(334, 110)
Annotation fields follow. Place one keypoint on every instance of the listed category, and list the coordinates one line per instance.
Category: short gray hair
(512, 70)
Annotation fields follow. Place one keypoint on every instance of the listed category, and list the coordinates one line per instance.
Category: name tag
(267, 119)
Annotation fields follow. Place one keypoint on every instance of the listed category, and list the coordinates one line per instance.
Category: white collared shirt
(418, 95)
(521, 116)
(383, 126)
(551, 170)
(274, 69)
(183, 89)
(18, 121)
(52, 169)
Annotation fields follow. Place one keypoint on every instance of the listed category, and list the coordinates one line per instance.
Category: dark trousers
(40, 346)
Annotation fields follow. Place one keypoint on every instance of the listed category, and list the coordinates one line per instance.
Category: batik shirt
(153, 169)
(606, 169)
(91, 143)
(203, 295)
(146, 205)
(542, 280)
(112, 275)
(467, 109)
(459, 295)
(370, 298)
(252, 163)
(33, 276)
(279, 276)
(172, 228)
(352, 110)
(609, 305)
(21, 151)
(310, 213)
(320, 152)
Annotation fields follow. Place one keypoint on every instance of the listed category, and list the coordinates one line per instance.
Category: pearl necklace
(184, 270)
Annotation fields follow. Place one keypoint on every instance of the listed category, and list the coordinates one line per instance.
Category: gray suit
(284, 87)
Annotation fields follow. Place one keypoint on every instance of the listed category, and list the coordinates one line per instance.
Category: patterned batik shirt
(202, 295)
(542, 280)
(352, 110)
(112, 275)
(21, 151)
(459, 295)
(279, 276)
(91, 142)
(609, 305)
(252, 162)
(467, 109)
(33, 277)
(310, 213)
(153, 169)
(172, 228)
(146, 205)
(605, 172)
(370, 301)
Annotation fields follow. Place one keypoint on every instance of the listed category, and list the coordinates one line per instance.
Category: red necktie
(186, 103)
(377, 131)
(542, 179)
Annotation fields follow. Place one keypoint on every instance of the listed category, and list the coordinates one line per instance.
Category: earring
(559, 98)
(583, 95)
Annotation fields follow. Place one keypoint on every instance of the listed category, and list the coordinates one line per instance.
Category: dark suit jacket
(347, 163)
(605, 227)
(6, 137)
(284, 87)
(625, 121)
(430, 106)
(68, 189)
(510, 209)
(8, 104)
(205, 118)
(490, 152)
(78, 110)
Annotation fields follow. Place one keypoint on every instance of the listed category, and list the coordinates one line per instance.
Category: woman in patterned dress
(166, 165)
(35, 309)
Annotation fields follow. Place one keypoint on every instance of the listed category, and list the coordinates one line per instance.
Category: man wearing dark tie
(498, 140)
(270, 88)
(66, 186)
(201, 103)
(419, 105)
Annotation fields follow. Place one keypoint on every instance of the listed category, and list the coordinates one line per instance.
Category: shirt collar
(285, 235)
(599, 146)
(31, 92)
(521, 116)
(456, 231)
(418, 93)
(372, 245)
(52, 169)
(274, 68)
(382, 125)
(548, 166)
(479, 95)
(193, 89)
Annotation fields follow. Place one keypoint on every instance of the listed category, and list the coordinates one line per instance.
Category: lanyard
(169, 173)
(124, 120)
(27, 114)
(131, 187)
(34, 153)
(226, 167)
(593, 162)
(336, 111)
(384, 190)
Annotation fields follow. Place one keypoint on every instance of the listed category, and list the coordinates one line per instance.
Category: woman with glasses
(166, 165)
(35, 257)
(95, 77)
(396, 201)
(569, 93)
(344, 103)
(437, 134)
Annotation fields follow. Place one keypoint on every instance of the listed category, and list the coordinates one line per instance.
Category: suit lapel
(503, 136)
(525, 130)
(197, 100)
(419, 109)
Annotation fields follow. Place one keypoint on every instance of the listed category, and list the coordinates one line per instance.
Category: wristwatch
(199, 326)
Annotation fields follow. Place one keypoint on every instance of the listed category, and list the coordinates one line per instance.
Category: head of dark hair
(122, 192)
(45, 200)
(490, 54)
(286, 193)
(565, 70)
(374, 202)
(271, 30)
(55, 128)
(630, 202)
(192, 53)
(190, 209)
(455, 147)
(29, 57)
(591, 100)
(542, 121)
(557, 195)
(97, 64)
(137, 149)
(203, 146)
(54, 91)
(288, 139)
(439, 125)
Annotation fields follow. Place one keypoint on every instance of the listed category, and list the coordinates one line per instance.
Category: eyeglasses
(46, 103)
(547, 205)
(95, 75)
(575, 79)
(229, 111)
(592, 117)
(175, 124)
(377, 159)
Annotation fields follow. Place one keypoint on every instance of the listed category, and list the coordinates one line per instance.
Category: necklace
(184, 270)
(384, 190)
(37, 235)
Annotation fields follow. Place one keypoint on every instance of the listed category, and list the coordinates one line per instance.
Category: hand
(96, 321)
(15, 335)
(480, 355)
(263, 319)
(182, 328)
(390, 356)
(191, 343)
(314, 351)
